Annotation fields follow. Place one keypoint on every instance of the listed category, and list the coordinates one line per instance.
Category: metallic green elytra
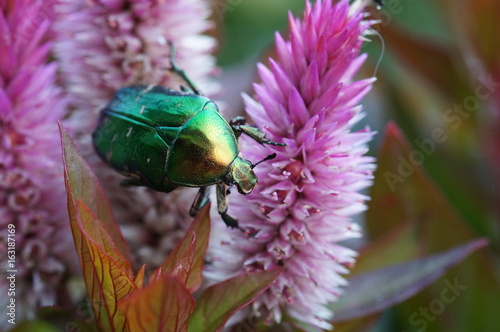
(168, 139)
(163, 138)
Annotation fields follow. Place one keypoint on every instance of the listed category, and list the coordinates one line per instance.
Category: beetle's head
(241, 174)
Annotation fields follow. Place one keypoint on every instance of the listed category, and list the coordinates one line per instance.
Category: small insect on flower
(163, 138)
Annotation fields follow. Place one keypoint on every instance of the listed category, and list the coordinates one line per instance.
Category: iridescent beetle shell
(164, 138)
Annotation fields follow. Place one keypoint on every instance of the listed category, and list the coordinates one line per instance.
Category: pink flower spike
(34, 230)
(306, 196)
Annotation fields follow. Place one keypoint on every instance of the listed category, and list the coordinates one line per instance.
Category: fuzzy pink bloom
(302, 206)
(32, 195)
(104, 45)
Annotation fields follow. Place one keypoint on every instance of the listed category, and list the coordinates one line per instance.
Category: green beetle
(163, 138)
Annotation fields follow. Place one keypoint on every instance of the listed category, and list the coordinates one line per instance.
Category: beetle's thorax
(241, 174)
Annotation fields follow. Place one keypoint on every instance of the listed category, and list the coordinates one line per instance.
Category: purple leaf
(375, 291)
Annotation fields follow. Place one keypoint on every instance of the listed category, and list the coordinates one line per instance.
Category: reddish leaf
(186, 259)
(179, 261)
(220, 301)
(82, 184)
(371, 292)
(164, 305)
(106, 273)
(139, 278)
(94, 230)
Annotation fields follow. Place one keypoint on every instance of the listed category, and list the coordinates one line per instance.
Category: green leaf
(163, 306)
(380, 289)
(220, 301)
(186, 259)
(82, 184)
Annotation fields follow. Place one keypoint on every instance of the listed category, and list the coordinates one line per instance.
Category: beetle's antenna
(382, 52)
(271, 156)
(179, 72)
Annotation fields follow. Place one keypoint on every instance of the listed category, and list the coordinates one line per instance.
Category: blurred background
(437, 183)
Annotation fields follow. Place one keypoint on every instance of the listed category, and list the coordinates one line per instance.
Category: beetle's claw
(229, 221)
(233, 223)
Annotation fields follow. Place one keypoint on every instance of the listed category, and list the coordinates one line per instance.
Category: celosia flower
(302, 206)
(106, 45)
(32, 195)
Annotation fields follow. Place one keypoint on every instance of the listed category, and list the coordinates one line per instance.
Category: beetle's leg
(179, 72)
(199, 201)
(236, 123)
(222, 207)
(239, 127)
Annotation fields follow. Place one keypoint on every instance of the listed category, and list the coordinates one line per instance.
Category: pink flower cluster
(302, 206)
(32, 196)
